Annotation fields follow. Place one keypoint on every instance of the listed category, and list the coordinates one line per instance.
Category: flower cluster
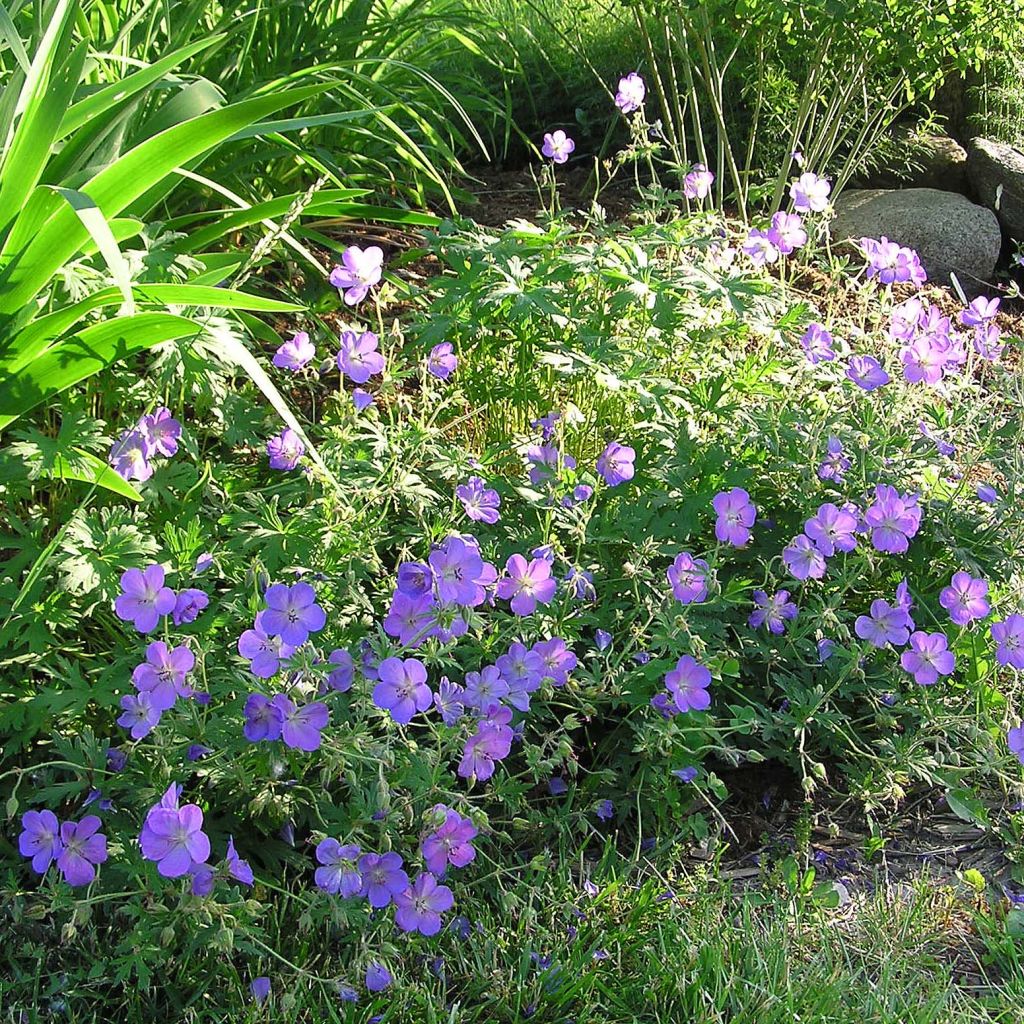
(891, 263)
(156, 434)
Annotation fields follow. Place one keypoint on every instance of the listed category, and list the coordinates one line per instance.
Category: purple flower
(556, 660)
(480, 502)
(161, 431)
(804, 559)
(631, 93)
(342, 676)
(787, 232)
(144, 598)
(129, 456)
(162, 674)
(285, 449)
(174, 838)
(605, 810)
(339, 873)
(602, 639)
(772, 611)
(402, 689)
(378, 977)
(832, 529)
(527, 584)
(197, 751)
(1009, 635)
(361, 399)
(420, 907)
(450, 844)
(358, 357)
(893, 519)
(263, 719)
(557, 786)
(409, 619)
(116, 759)
(923, 361)
(867, 373)
(442, 361)
(965, 598)
(292, 613)
(688, 684)
(885, 625)
(448, 701)
(264, 653)
(360, 270)
(760, 248)
(82, 847)
(810, 193)
(835, 463)
(301, 726)
(1015, 741)
(891, 263)
(456, 566)
(260, 989)
(557, 146)
(295, 353)
(687, 774)
(488, 745)
(736, 515)
(928, 657)
(383, 878)
(140, 717)
(415, 579)
(979, 312)
(203, 879)
(188, 604)
(817, 344)
(697, 183)
(826, 648)
(40, 839)
(546, 462)
(238, 869)
(615, 464)
(484, 688)
(580, 584)
(987, 493)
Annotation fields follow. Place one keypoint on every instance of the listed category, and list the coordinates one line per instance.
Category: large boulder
(933, 161)
(949, 232)
(996, 173)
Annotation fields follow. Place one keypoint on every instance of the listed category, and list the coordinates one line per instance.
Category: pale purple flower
(40, 839)
(804, 559)
(688, 577)
(285, 449)
(82, 847)
(546, 462)
(760, 248)
(773, 611)
(383, 878)
(448, 701)
(556, 660)
(810, 193)
(402, 689)
(360, 270)
(988, 342)
(162, 674)
(1009, 636)
(343, 674)
(580, 584)
(928, 657)
(420, 907)
(488, 745)
(526, 584)
(237, 867)
(203, 563)
(161, 431)
(867, 373)
(630, 95)
(787, 232)
(893, 519)
(358, 357)
(557, 146)
(615, 463)
(139, 716)
(485, 688)
(263, 719)
(736, 515)
(339, 873)
(295, 353)
(378, 977)
(456, 566)
(480, 502)
(605, 811)
(173, 837)
(697, 183)
(817, 344)
(409, 619)
(361, 399)
(260, 989)
(442, 361)
(415, 579)
(301, 726)
(885, 625)
(687, 774)
(264, 653)
(602, 639)
(129, 456)
(1015, 741)
(451, 843)
(204, 879)
(144, 598)
(826, 648)
(965, 598)
(979, 312)
(688, 684)
(291, 613)
(188, 604)
(832, 529)
(987, 493)
(905, 319)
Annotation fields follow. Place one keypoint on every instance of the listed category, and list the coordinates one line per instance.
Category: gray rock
(996, 173)
(949, 232)
(938, 161)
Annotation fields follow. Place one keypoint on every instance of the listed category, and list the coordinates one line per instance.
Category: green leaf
(91, 470)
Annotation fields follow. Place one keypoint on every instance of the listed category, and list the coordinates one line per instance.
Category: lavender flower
(402, 689)
(979, 312)
(557, 146)
(772, 611)
(893, 519)
(260, 989)
(129, 456)
(420, 907)
(987, 493)
(450, 844)
(161, 431)
(162, 674)
(295, 353)
(965, 598)
(188, 604)
(928, 658)
(358, 357)
(760, 247)
(456, 566)
(238, 869)
(339, 873)
(383, 878)
(264, 653)
(602, 639)
(1009, 636)
(556, 660)
(139, 716)
(804, 559)
(810, 193)
(144, 598)
(285, 449)
(527, 584)
(378, 977)
(173, 837)
(817, 344)
(263, 719)
(688, 577)
(832, 529)
(484, 748)
(787, 232)
(442, 361)
(736, 515)
(605, 810)
(697, 183)
(82, 847)
(361, 399)
(360, 270)
(343, 675)
(301, 726)
(631, 93)
(885, 625)
(867, 373)
(835, 463)
(448, 701)
(40, 839)
(1015, 741)
(292, 613)
(615, 464)
(688, 684)
(409, 619)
